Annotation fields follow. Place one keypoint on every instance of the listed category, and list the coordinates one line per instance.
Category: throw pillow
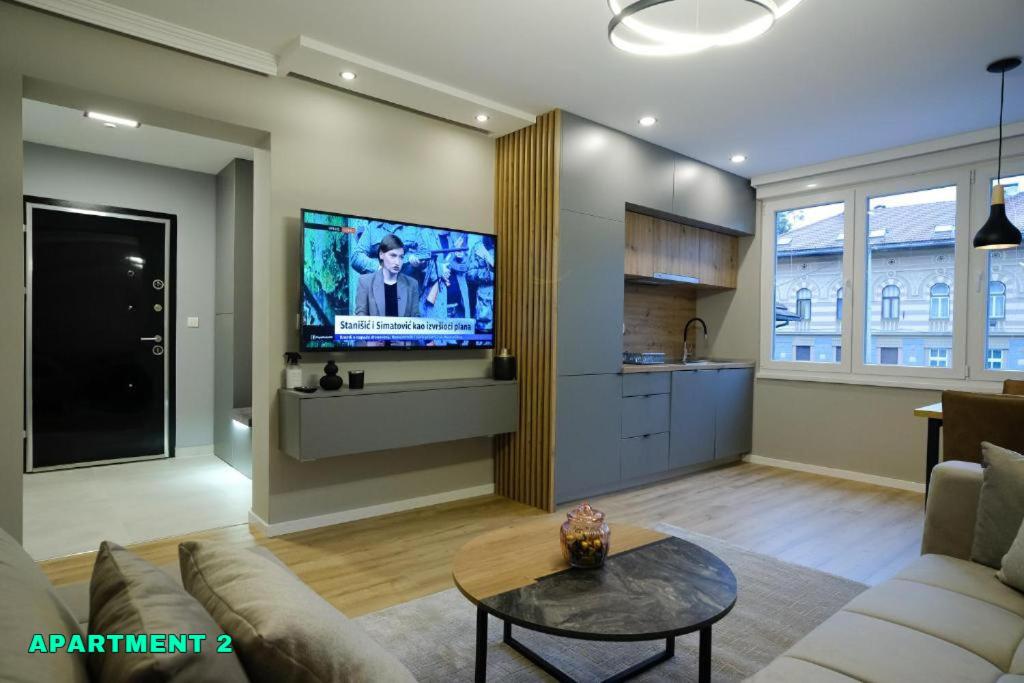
(1001, 505)
(281, 628)
(1012, 571)
(128, 595)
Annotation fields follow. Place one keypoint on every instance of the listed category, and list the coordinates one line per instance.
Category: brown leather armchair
(969, 418)
(1013, 386)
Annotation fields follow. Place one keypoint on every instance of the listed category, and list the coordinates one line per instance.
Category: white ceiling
(833, 78)
(49, 124)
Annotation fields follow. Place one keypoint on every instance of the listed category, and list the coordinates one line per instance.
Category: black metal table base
(703, 660)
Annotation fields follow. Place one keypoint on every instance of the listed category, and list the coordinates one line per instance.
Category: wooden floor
(859, 531)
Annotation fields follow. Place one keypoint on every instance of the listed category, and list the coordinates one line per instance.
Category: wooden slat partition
(526, 221)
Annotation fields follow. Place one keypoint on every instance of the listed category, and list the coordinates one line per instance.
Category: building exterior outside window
(891, 303)
(996, 300)
(803, 304)
(889, 355)
(803, 352)
(938, 358)
(910, 273)
(939, 307)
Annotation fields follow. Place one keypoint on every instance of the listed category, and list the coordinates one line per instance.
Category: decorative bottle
(585, 537)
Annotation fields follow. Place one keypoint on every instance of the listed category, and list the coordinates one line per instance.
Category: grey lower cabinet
(694, 405)
(643, 455)
(587, 435)
(734, 412)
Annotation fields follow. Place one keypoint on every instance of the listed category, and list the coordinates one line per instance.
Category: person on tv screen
(364, 253)
(387, 291)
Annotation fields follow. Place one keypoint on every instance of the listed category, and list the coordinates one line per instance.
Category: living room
(636, 434)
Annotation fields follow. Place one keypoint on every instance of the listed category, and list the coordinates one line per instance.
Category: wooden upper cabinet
(718, 259)
(655, 245)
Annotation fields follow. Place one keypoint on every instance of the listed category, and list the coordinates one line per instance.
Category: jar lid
(584, 514)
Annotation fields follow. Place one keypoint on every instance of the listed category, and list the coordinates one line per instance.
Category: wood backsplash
(655, 316)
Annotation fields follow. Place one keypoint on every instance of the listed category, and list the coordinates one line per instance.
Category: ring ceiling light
(625, 27)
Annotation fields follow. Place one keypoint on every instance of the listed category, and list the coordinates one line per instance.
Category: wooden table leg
(481, 645)
(932, 451)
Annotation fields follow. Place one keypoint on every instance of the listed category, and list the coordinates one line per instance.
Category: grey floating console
(394, 415)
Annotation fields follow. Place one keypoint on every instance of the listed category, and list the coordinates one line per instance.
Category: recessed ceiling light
(348, 75)
(738, 158)
(812, 184)
(648, 121)
(107, 119)
(482, 118)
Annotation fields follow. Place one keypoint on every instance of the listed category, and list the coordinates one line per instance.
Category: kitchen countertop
(674, 367)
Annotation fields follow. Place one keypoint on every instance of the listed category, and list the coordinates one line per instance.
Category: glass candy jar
(585, 537)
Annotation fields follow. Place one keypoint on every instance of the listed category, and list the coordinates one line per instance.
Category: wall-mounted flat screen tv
(371, 283)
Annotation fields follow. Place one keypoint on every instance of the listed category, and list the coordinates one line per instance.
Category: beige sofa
(943, 618)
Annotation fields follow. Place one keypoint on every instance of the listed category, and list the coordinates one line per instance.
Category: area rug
(778, 603)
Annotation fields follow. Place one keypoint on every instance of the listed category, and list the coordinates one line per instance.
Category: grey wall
(81, 177)
(328, 150)
(233, 332)
(864, 429)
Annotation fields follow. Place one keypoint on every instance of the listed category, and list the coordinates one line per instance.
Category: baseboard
(193, 451)
(307, 523)
(837, 473)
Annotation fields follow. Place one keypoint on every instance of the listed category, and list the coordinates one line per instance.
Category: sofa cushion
(1001, 505)
(980, 627)
(1012, 570)
(282, 630)
(788, 669)
(968, 578)
(870, 649)
(128, 595)
(29, 606)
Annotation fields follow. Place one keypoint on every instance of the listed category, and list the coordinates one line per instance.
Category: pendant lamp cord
(1002, 94)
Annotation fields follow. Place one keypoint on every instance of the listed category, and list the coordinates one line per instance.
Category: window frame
(980, 275)
(990, 299)
(890, 304)
(768, 259)
(961, 178)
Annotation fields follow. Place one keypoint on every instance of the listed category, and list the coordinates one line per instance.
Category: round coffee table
(651, 587)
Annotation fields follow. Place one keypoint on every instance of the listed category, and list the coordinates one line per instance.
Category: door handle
(156, 339)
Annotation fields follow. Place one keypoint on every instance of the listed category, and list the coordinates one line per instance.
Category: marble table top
(663, 588)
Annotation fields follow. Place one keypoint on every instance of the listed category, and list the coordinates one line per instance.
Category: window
(996, 301)
(803, 304)
(901, 248)
(839, 304)
(807, 258)
(1004, 333)
(891, 303)
(839, 354)
(938, 358)
(938, 308)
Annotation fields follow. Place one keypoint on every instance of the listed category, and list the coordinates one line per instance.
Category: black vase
(504, 366)
(331, 381)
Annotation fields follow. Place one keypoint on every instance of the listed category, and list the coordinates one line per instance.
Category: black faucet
(686, 331)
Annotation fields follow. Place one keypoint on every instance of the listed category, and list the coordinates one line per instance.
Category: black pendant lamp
(998, 232)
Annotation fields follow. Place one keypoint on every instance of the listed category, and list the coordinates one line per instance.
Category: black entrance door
(100, 325)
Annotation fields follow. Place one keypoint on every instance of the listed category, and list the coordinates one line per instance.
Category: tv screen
(369, 283)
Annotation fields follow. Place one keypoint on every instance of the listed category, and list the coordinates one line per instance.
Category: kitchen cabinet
(643, 455)
(587, 435)
(734, 412)
(645, 415)
(693, 412)
(718, 255)
(602, 169)
(713, 197)
(590, 295)
(656, 245)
